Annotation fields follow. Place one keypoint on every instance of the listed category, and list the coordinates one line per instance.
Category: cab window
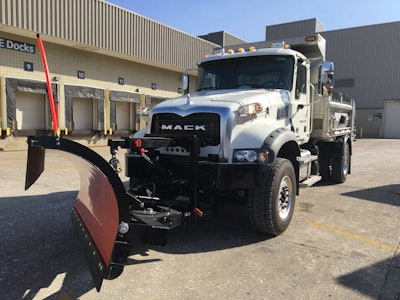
(301, 81)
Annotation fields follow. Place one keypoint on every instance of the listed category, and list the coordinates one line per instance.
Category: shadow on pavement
(387, 194)
(378, 281)
(229, 229)
(39, 248)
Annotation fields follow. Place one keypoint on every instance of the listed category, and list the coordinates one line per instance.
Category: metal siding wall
(370, 55)
(100, 24)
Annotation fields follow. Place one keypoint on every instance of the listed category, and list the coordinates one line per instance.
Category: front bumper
(228, 176)
(193, 170)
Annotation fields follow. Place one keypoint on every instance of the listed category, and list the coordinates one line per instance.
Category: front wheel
(271, 204)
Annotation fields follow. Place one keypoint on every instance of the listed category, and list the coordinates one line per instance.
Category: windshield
(268, 72)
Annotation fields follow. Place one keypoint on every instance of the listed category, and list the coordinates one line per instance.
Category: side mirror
(326, 78)
(185, 84)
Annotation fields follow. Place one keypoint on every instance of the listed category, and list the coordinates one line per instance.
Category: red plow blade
(108, 220)
(101, 204)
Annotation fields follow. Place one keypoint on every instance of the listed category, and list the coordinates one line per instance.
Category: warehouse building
(107, 66)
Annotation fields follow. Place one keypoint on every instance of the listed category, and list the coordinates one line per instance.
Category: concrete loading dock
(343, 242)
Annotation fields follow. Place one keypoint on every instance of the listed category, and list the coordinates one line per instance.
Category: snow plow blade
(107, 219)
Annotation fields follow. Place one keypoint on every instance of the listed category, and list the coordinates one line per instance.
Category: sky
(247, 19)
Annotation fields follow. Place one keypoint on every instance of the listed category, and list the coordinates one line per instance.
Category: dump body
(333, 116)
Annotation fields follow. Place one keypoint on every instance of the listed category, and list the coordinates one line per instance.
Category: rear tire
(340, 166)
(324, 168)
(271, 204)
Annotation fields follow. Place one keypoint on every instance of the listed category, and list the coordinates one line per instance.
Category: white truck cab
(263, 120)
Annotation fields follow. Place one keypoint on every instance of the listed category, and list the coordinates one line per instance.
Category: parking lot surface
(343, 242)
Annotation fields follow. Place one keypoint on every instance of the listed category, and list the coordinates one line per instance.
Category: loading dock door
(30, 111)
(82, 113)
(122, 115)
(391, 126)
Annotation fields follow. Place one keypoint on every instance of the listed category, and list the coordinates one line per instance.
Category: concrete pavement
(343, 242)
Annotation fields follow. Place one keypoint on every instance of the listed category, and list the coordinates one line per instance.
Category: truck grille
(205, 126)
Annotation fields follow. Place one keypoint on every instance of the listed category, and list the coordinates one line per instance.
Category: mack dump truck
(264, 120)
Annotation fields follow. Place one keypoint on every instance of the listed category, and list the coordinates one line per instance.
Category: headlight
(251, 156)
(250, 109)
(248, 155)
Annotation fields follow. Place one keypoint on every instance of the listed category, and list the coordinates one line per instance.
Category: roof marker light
(252, 48)
(219, 51)
(231, 51)
(311, 38)
(278, 44)
(241, 50)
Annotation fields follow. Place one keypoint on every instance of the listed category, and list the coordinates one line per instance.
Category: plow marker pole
(49, 90)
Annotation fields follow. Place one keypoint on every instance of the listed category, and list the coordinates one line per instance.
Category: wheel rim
(346, 161)
(285, 197)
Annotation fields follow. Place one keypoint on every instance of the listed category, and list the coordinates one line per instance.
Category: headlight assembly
(250, 109)
(250, 156)
(246, 155)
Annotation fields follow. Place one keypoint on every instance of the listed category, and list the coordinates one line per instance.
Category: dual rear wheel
(335, 169)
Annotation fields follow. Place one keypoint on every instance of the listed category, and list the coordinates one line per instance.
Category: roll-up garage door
(84, 109)
(123, 110)
(30, 111)
(82, 113)
(122, 115)
(391, 126)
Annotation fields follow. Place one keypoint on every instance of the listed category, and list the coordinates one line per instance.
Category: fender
(282, 143)
(279, 137)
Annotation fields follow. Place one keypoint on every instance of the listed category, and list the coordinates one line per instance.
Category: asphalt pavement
(343, 242)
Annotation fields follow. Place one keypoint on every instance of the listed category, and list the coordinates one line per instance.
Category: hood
(211, 100)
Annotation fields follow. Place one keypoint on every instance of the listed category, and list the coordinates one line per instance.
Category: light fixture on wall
(56, 78)
(138, 91)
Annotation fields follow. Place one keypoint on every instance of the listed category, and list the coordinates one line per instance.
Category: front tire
(271, 204)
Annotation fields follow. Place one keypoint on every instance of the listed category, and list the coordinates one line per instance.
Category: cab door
(301, 121)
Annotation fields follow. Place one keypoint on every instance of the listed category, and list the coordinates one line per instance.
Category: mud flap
(101, 206)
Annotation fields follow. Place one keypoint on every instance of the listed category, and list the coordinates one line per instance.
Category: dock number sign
(80, 74)
(28, 66)
(17, 46)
